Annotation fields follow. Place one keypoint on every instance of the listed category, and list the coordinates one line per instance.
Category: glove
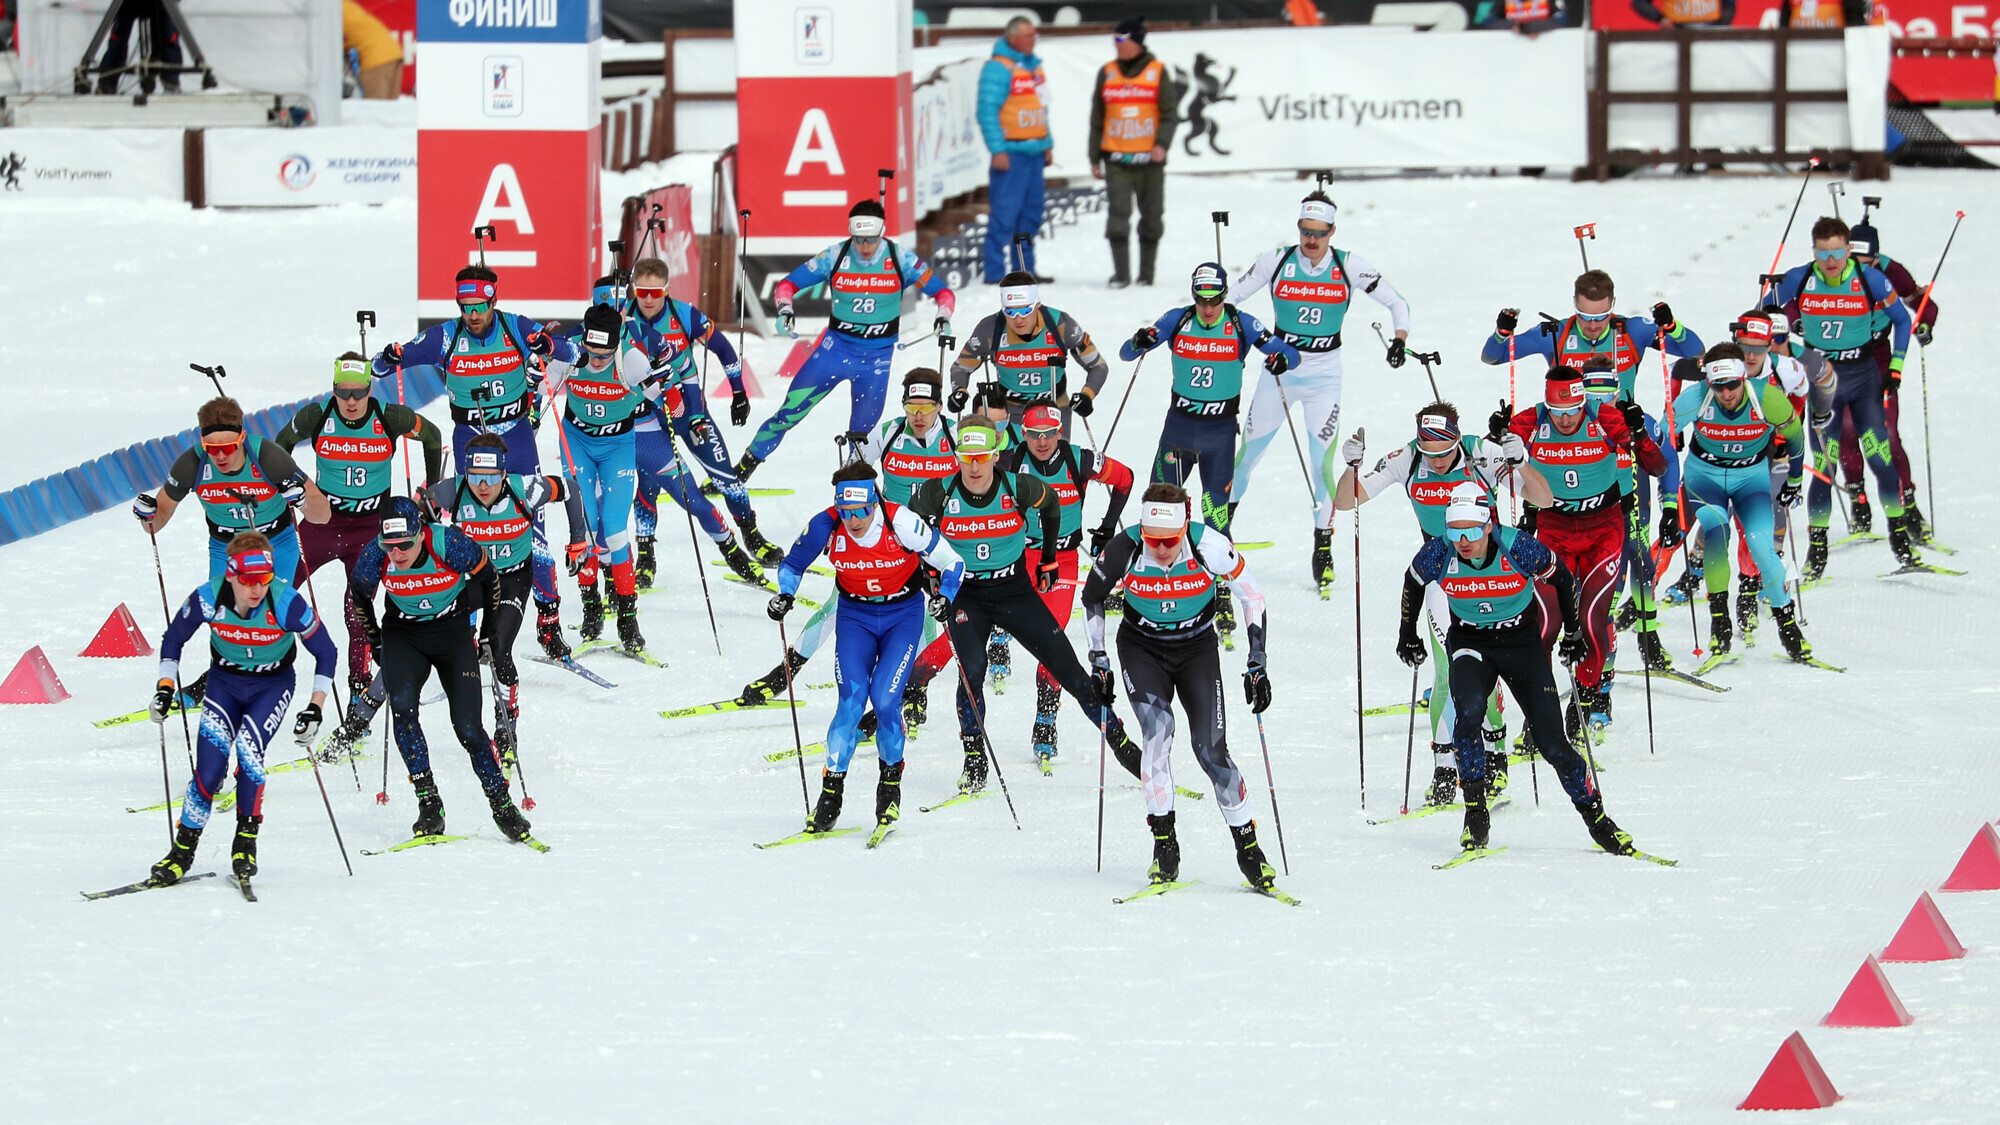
(1100, 678)
(956, 403)
(1398, 352)
(1895, 380)
(1083, 402)
(1099, 536)
(295, 493)
(163, 698)
(739, 408)
(1923, 334)
(1514, 449)
(1670, 527)
(940, 607)
(942, 326)
(542, 344)
(578, 557)
(1410, 648)
(1572, 648)
(1353, 449)
(779, 606)
(1276, 363)
(1145, 339)
(391, 357)
(1788, 494)
(1663, 315)
(306, 727)
(788, 322)
(1635, 418)
(535, 413)
(1821, 419)
(1257, 689)
(1496, 422)
(1046, 572)
(144, 508)
(1506, 322)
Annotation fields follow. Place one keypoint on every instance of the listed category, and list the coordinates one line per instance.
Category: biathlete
(1029, 345)
(255, 624)
(1866, 247)
(1171, 568)
(1592, 330)
(878, 550)
(865, 276)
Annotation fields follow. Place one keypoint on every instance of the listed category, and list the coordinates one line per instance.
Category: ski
(770, 491)
(1718, 660)
(186, 702)
(1858, 537)
(1188, 793)
(1466, 857)
(1153, 889)
(227, 800)
(1423, 707)
(1934, 545)
(721, 705)
(1649, 857)
(1681, 677)
(808, 837)
(1273, 892)
(1262, 545)
(569, 664)
(813, 569)
(1047, 764)
(881, 833)
(415, 842)
(1433, 810)
(612, 646)
(1809, 661)
(766, 585)
(962, 797)
(243, 884)
(143, 885)
(1326, 591)
(1922, 568)
(534, 843)
(809, 748)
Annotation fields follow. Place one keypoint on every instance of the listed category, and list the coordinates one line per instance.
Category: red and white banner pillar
(822, 106)
(507, 136)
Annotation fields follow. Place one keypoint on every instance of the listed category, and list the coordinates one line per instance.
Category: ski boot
(592, 626)
(826, 812)
(916, 707)
(1225, 617)
(1815, 564)
(1496, 760)
(644, 569)
(1684, 588)
(1250, 858)
(1721, 630)
(1653, 652)
(626, 606)
(1444, 779)
(430, 806)
(999, 660)
(196, 690)
(1902, 541)
(747, 465)
(1478, 819)
(742, 564)
(1919, 526)
(1596, 704)
(1166, 850)
(1048, 698)
(1627, 615)
(506, 817)
(548, 630)
(1796, 646)
(973, 778)
(865, 727)
(179, 858)
(760, 691)
(1860, 514)
(889, 793)
(243, 849)
(1603, 829)
(1123, 750)
(1746, 606)
(1322, 560)
(763, 549)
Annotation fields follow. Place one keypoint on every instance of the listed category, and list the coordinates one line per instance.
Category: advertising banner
(309, 167)
(91, 164)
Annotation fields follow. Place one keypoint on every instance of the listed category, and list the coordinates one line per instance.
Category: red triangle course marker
(801, 350)
(1979, 868)
(1924, 936)
(1869, 1001)
(119, 636)
(33, 681)
(1794, 1080)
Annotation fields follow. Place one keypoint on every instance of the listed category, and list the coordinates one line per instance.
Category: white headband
(1468, 502)
(1726, 369)
(1161, 515)
(1317, 210)
(865, 226)
(1020, 296)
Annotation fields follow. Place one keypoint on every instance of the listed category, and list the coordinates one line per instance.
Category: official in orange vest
(1133, 113)
(1823, 13)
(1670, 14)
(1526, 17)
(1014, 120)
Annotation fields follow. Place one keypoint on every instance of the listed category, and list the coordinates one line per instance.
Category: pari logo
(296, 172)
(502, 88)
(503, 13)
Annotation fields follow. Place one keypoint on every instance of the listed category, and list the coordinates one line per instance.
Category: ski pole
(1923, 371)
(1646, 670)
(1428, 358)
(187, 733)
(1811, 166)
(792, 704)
(215, 375)
(1312, 493)
(979, 718)
(382, 798)
(1218, 219)
(1271, 782)
(1834, 190)
(1360, 723)
(1589, 231)
(1129, 384)
(687, 497)
(338, 707)
(1102, 738)
(1409, 746)
(1582, 727)
(167, 785)
(328, 802)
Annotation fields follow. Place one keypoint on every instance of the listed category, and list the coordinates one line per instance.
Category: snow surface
(654, 966)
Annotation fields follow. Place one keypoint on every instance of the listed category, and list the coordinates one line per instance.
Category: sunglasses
(597, 359)
(1437, 453)
(1464, 534)
(1565, 411)
(476, 308)
(854, 513)
(222, 448)
(350, 394)
(1162, 542)
(922, 407)
(490, 479)
(977, 458)
(1594, 318)
(649, 292)
(1315, 235)
(1214, 298)
(254, 579)
(1829, 255)
(1053, 431)
(1725, 384)
(399, 545)
(1027, 310)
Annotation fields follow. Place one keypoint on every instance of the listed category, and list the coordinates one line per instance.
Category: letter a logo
(503, 201)
(814, 145)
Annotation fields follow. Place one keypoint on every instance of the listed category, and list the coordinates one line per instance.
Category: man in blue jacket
(1014, 121)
